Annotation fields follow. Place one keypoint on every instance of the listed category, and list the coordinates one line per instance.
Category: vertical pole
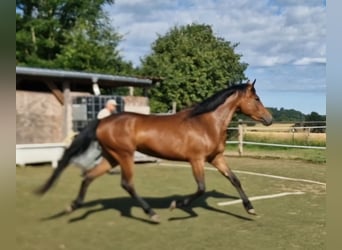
(308, 136)
(174, 107)
(67, 122)
(131, 90)
(293, 138)
(240, 137)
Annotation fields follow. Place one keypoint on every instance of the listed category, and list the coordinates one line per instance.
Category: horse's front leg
(89, 176)
(198, 172)
(220, 163)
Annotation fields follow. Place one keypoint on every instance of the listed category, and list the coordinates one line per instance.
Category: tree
(314, 117)
(92, 49)
(286, 115)
(194, 64)
(67, 34)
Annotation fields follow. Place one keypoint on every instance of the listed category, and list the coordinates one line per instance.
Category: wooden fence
(288, 133)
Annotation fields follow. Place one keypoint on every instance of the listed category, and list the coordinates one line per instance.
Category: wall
(39, 118)
(137, 104)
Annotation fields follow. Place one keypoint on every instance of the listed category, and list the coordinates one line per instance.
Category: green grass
(112, 220)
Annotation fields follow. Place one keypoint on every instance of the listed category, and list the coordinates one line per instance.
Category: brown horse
(196, 135)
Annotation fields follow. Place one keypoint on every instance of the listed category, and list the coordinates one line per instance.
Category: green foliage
(194, 64)
(91, 49)
(67, 34)
(287, 115)
(292, 115)
(314, 116)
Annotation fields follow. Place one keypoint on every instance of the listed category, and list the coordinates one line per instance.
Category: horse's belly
(162, 151)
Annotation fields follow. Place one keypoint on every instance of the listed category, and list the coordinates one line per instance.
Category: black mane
(216, 100)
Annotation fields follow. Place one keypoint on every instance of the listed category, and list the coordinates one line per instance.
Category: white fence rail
(274, 144)
(293, 130)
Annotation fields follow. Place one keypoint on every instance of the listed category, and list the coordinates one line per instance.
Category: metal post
(67, 122)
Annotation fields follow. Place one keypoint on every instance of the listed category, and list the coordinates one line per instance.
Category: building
(46, 103)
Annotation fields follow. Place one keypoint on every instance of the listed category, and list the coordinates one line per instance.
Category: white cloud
(283, 41)
(283, 78)
(310, 60)
(268, 32)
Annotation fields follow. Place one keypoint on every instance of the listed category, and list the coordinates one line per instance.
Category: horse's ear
(253, 82)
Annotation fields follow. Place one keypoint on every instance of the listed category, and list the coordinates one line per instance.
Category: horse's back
(158, 135)
(134, 125)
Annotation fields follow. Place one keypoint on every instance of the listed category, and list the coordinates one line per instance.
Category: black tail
(78, 146)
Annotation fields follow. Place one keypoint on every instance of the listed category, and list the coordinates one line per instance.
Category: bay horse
(196, 135)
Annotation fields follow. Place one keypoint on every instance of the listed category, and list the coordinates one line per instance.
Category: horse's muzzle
(267, 121)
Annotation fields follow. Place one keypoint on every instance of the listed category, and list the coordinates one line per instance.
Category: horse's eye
(257, 99)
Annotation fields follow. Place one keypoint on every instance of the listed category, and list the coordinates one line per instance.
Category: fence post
(240, 137)
(293, 135)
(174, 107)
(307, 136)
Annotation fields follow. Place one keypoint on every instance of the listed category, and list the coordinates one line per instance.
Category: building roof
(81, 77)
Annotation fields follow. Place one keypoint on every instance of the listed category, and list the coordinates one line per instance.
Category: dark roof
(81, 77)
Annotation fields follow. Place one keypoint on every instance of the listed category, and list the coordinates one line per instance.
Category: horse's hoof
(69, 209)
(251, 211)
(173, 205)
(155, 218)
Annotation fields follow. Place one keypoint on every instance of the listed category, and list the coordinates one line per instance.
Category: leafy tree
(67, 34)
(92, 49)
(286, 115)
(194, 64)
(314, 117)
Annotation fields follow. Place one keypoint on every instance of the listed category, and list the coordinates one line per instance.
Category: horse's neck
(224, 113)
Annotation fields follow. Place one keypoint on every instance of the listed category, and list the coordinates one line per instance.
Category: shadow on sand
(125, 204)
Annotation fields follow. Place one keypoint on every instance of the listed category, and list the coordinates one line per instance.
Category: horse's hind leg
(220, 163)
(89, 177)
(198, 172)
(126, 162)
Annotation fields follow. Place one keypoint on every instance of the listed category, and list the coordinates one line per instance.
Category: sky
(282, 41)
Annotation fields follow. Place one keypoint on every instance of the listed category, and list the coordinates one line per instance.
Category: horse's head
(251, 105)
